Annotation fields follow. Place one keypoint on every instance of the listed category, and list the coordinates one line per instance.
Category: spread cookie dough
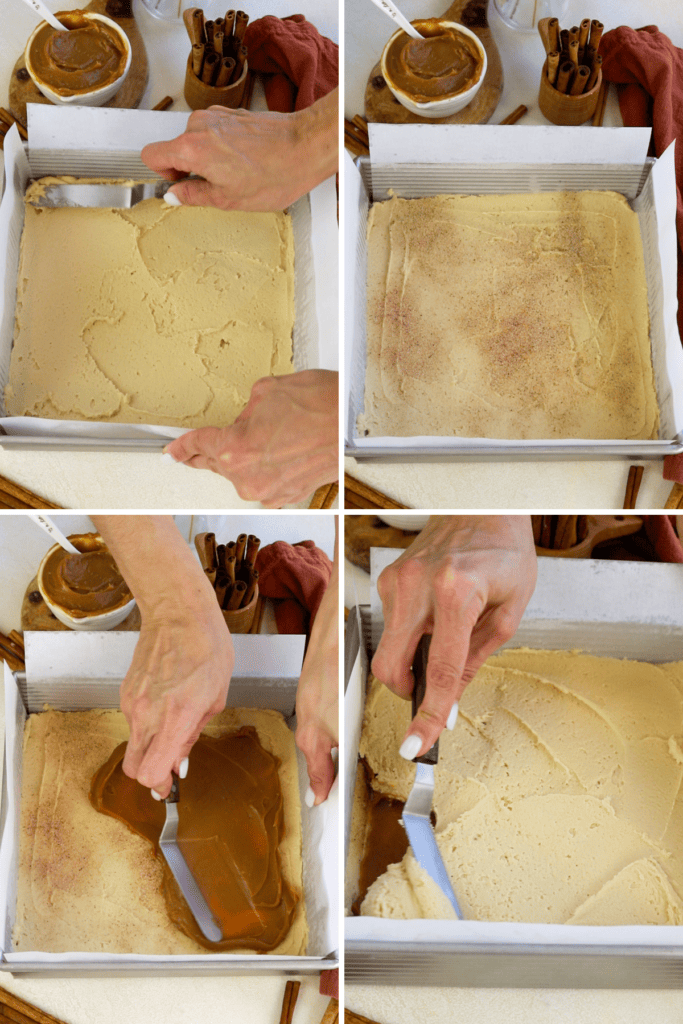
(153, 314)
(88, 883)
(558, 795)
(519, 316)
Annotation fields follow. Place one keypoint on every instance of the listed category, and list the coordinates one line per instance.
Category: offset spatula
(105, 195)
(168, 843)
(418, 806)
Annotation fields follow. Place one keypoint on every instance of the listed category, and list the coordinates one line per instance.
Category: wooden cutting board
(36, 615)
(364, 532)
(382, 106)
(23, 91)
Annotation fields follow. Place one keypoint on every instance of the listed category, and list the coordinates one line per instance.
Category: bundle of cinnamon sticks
(559, 532)
(12, 650)
(7, 120)
(573, 58)
(230, 568)
(218, 50)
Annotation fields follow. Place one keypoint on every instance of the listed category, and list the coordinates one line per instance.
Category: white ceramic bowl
(450, 104)
(105, 620)
(401, 522)
(88, 99)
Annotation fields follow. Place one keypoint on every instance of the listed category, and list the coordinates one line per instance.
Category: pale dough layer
(558, 795)
(88, 884)
(519, 316)
(154, 314)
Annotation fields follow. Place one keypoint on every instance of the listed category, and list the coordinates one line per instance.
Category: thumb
(320, 774)
(197, 192)
(207, 441)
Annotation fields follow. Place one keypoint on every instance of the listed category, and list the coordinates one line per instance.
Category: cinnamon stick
(536, 522)
(564, 77)
(331, 1015)
(546, 536)
(230, 565)
(225, 72)
(514, 117)
(198, 59)
(600, 108)
(252, 583)
(597, 28)
(574, 33)
(240, 61)
(10, 491)
(241, 22)
(635, 476)
(240, 548)
(593, 77)
(553, 66)
(222, 584)
(574, 52)
(258, 615)
(193, 26)
(253, 544)
(218, 41)
(584, 29)
(580, 79)
(19, 1006)
(236, 597)
(675, 497)
(164, 104)
(564, 42)
(208, 31)
(229, 25)
(220, 557)
(544, 33)
(553, 34)
(17, 638)
(10, 120)
(210, 68)
(245, 102)
(230, 550)
(200, 29)
(211, 576)
(368, 497)
(289, 1001)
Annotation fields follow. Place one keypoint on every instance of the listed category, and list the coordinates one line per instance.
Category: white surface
(523, 485)
(116, 481)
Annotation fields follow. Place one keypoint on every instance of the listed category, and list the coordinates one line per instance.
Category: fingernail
(453, 717)
(309, 799)
(155, 794)
(172, 199)
(167, 457)
(182, 768)
(410, 747)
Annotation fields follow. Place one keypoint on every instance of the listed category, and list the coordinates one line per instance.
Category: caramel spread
(85, 584)
(558, 796)
(89, 56)
(511, 316)
(230, 828)
(444, 63)
(85, 882)
(159, 314)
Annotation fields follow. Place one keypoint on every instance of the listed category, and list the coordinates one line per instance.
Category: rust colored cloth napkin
(296, 577)
(301, 65)
(661, 531)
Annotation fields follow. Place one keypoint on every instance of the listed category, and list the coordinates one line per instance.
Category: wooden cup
(200, 96)
(567, 110)
(241, 619)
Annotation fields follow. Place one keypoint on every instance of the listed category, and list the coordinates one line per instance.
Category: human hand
(281, 447)
(178, 680)
(249, 160)
(466, 580)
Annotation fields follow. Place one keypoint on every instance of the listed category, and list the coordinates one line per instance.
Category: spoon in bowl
(40, 8)
(45, 523)
(391, 11)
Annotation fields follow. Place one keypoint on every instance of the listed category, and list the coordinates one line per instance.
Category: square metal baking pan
(80, 692)
(377, 182)
(611, 609)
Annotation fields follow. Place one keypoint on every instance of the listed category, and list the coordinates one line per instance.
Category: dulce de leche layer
(89, 55)
(85, 584)
(230, 828)
(444, 63)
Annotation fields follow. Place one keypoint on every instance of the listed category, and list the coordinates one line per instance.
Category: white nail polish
(167, 457)
(155, 794)
(309, 799)
(172, 199)
(182, 768)
(453, 717)
(410, 747)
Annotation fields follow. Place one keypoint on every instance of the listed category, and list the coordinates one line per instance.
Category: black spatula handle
(419, 690)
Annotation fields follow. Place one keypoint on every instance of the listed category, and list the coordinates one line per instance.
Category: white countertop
(118, 481)
(514, 485)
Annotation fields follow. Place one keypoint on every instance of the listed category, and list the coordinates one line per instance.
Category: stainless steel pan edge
(200, 966)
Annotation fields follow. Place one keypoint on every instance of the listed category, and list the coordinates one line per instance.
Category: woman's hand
(281, 448)
(249, 160)
(466, 580)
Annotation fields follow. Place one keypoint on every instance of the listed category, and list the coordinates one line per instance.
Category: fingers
(168, 159)
(197, 192)
(205, 442)
(316, 746)
(457, 609)
(405, 621)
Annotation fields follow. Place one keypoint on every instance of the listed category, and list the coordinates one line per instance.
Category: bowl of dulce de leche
(438, 75)
(86, 64)
(84, 591)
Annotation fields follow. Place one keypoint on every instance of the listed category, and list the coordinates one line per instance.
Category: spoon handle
(45, 523)
(392, 11)
(45, 14)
